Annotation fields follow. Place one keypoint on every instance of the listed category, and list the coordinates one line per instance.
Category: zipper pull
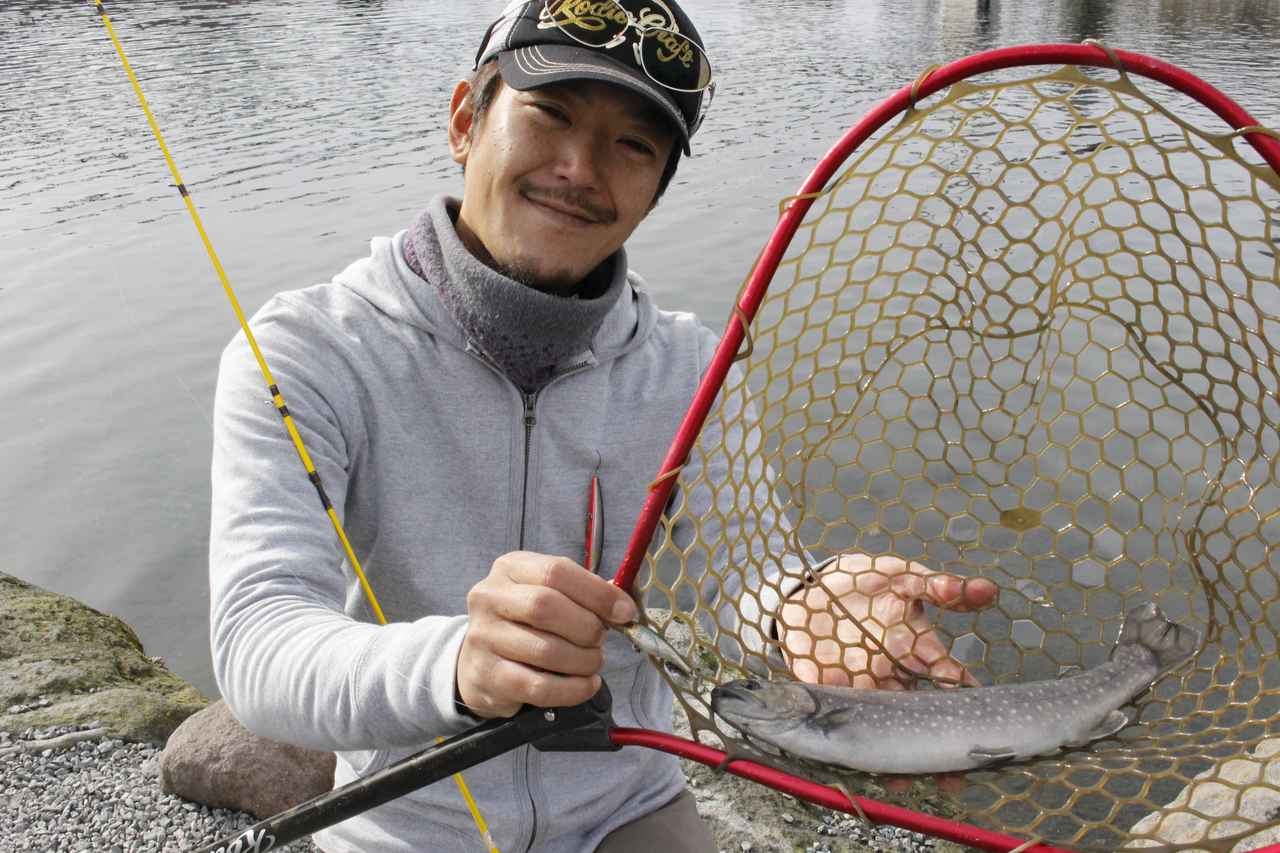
(530, 419)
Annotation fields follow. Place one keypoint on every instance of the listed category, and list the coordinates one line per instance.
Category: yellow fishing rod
(276, 397)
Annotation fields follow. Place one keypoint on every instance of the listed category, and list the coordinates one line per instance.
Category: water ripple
(303, 127)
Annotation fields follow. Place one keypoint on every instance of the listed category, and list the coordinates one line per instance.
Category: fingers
(938, 664)
(539, 608)
(897, 784)
(535, 634)
(543, 651)
(948, 783)
(909, 580)
(823, 650)
(584, 589)
(953, 592)
(864, 624)
(492, 686)
(550, 594)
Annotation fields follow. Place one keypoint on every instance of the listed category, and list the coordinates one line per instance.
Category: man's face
(556, 178)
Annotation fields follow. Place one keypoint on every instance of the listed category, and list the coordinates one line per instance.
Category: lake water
(303, 128)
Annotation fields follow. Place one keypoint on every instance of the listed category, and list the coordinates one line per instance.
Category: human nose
(580, 161)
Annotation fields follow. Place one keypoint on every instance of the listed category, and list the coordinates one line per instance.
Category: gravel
(842, 829)
(100, 796)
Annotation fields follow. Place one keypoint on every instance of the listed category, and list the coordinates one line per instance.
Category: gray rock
(62, 662)
(212, 759)
(1236, 797)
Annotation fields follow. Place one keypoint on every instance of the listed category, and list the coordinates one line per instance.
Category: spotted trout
(937, 731)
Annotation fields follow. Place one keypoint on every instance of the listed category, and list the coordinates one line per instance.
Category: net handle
(931, 82)
(870, 810)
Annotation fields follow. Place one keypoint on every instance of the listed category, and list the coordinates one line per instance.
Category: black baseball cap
(532, 50)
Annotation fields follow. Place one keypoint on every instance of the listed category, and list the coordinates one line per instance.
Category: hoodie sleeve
(291, 663)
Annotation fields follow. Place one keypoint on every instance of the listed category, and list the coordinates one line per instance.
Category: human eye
(551, 110)
(640, 146)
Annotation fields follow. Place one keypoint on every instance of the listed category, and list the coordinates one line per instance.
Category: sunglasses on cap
(667, 57)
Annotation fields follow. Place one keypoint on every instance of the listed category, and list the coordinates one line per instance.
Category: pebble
(874, 837)
(103, 797)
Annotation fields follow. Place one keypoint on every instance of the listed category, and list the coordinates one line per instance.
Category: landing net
(1029, 334)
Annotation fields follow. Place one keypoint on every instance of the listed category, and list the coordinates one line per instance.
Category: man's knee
(674, 828)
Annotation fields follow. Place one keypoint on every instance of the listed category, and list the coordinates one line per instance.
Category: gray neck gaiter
(525, 332)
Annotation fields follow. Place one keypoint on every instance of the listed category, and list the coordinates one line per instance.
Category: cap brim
(542, 64)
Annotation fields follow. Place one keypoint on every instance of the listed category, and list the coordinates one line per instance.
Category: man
(456, 390)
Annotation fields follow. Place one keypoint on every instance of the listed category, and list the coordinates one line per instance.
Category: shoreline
(101, 795)
(85, 713)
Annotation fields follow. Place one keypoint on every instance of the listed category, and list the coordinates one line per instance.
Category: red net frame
(754, 291)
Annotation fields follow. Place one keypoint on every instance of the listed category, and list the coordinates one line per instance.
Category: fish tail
(1171, 643)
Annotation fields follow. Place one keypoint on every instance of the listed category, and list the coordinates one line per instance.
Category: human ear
(461, 121)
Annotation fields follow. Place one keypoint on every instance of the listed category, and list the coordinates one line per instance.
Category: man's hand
(536, 634)
(884, 595)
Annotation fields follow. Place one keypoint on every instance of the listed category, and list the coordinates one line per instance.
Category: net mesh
(1026, 335)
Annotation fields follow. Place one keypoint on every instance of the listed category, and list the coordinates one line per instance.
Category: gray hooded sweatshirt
(437, 464)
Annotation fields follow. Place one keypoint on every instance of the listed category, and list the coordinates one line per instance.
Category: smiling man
(458, 389)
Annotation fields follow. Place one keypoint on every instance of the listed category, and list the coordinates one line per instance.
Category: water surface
(304, 128)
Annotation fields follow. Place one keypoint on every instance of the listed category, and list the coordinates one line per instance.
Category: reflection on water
(303, 128)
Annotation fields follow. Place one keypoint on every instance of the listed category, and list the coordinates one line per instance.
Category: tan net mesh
(1027, 335)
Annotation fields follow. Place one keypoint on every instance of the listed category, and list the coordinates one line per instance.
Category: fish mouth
(741, 700)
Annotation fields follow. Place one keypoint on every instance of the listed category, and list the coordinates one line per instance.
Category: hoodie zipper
(530, 400)
(529, 417)
(530, 421)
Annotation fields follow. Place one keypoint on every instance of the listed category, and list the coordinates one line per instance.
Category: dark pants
(674, 828)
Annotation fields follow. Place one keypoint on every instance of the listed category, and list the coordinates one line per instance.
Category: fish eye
(750, 684)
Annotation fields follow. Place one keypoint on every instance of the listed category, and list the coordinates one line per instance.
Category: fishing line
(276, 396)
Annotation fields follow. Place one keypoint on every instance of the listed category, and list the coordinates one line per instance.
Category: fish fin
(1110, 724)
(833, 719)
(1171, 644)
(992, 754)
(1107, 726)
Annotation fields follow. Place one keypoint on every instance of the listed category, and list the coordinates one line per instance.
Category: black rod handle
(467, 749)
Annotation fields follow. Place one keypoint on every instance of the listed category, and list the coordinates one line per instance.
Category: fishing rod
(589, 726)
(277, 397)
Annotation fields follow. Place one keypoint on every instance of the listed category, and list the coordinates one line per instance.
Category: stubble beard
(555, 285)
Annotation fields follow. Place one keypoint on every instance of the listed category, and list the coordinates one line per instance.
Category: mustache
(578, 202)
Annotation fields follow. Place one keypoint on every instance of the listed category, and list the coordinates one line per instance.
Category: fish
(649, 642)
(948, 730)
